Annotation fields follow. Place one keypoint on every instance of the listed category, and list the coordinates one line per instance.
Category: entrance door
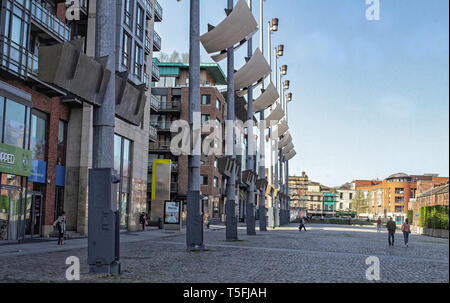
(33, 214)
(9, 214)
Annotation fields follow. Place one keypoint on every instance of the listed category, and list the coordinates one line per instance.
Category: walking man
(302, 224)
(391, 227)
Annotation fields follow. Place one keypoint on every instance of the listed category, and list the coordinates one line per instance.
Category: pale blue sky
(370, 98)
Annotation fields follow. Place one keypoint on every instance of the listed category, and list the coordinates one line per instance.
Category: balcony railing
(49, 21)
(153, 133)
(170, 106)
(158, 12)
(155, 72)
(17, 59)
(155, 102)
(156, 41)
(160, 146)
(148, 45)
(161, 126)
(149, 8)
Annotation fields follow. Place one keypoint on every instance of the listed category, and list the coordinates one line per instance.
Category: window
(38, 135)
(350, 196)
(128, 13)
(341, 196)
(123, 164)
(205, 118)
(399, 199)
(140, 23)
(14, 131)
(216, 182)
(204, 180)
(138, 61)
(218, 106)
(216, 163)
(206, 100)
(399, 191)
(126, 50)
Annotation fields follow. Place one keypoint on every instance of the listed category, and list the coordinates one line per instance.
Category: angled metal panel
(287, 149)
(269, 97)
(291, 155)
(239, 25)
(130, 101)
(275, 116)
(256, 69)
(285, 141)
(282, 128)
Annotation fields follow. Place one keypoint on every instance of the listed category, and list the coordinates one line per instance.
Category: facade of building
(170, 104)
(298, 189)
(344, 197)
(46, 121)
(329, 203)
(314, 200)
(390, 197)
(429, 193)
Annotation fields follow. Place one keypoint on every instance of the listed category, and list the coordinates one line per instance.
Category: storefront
(122, 165)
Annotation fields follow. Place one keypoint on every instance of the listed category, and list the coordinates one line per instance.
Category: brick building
(391, 197)
(44, 120)
(429, 193)
(171, 103)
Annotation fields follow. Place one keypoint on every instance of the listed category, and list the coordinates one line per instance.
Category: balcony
(155, 73)
(153, 133)
(160, 146)
(148, 45)
(158, 12)
(155, 103)
(162, 126)
(156, 42)
(148, 9)
(18, 60)
(49, 23)
(172, 106)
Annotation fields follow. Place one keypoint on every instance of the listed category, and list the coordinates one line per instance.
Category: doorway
(10, 213)
(33, 214)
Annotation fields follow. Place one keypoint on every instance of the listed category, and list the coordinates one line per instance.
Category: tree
(163, 57)
(359, 203)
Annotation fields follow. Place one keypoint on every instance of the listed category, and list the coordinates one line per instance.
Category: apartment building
(298, 188)
(48, 125)
(170, 102)
(391, 197)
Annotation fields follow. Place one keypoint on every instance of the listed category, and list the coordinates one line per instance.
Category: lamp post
(262, 164)
(272, 27)
(231, 222)
(286, 215)
(250, 217)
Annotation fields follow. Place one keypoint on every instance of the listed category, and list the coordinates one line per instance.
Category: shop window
(14, 128)
(38, 135)
(62, 142)
(123, 166)
(2, 106)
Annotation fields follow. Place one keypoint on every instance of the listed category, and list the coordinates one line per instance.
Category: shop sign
(38, 171)
(15, 161)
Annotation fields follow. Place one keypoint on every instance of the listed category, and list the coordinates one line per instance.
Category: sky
(370, 98)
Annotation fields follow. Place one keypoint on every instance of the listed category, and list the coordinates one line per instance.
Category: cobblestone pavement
(324, 253)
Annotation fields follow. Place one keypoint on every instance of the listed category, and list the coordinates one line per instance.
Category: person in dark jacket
(60, 223)
(302, 224)
(391, 227)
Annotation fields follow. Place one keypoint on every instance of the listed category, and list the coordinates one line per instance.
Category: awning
(256, 69)
(239, 25)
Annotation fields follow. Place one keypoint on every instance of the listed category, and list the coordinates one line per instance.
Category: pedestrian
(379, 224)
(406, 229)
(60, 223)
(302, 224)
(391, 227)
(143, 220)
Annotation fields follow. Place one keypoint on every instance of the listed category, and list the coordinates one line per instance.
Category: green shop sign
(15, 161)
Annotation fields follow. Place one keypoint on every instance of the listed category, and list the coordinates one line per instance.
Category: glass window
(117, 153)
(128, 13)
(123, 165)
(206, 99)
(62, 139)
(14, 124)
(218, 104)
(204, 180)
(2, 105)
(205, 118)
(126, 50)
(140, 23)
(38, 135)
(138, 61)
